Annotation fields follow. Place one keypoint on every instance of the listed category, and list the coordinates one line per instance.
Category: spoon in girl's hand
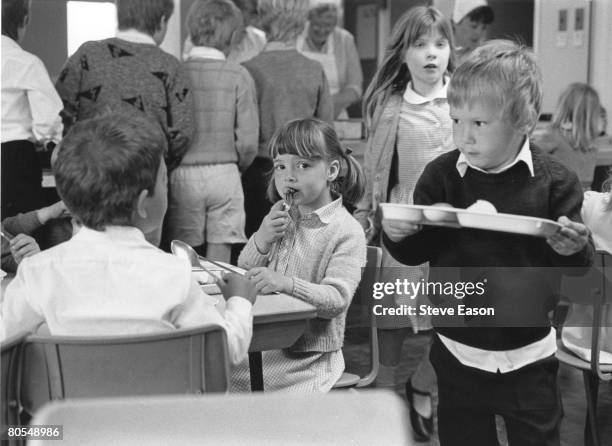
(289, 198)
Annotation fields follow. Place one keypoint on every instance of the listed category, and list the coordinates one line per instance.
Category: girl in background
(575, 125)
(310, 247)
(407, 115)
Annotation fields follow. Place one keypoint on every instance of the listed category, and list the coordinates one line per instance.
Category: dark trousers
(21, 179)
(255, 184)
(527, 399)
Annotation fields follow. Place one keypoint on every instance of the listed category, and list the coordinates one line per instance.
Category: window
(89, 20)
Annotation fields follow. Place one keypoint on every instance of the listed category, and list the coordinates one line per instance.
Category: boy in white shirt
(108, 279)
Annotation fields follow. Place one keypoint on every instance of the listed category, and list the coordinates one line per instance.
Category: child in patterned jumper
(130, 73)
(313, 250)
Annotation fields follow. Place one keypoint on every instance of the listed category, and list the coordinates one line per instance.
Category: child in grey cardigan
(309, 247)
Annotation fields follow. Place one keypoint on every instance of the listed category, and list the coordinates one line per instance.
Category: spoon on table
(184, 251)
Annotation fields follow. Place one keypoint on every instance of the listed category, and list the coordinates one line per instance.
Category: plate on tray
(424, 215)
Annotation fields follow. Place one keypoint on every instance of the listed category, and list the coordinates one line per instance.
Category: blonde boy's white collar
(412, 97)
(524, 155)
(134, 36)
(205, 52)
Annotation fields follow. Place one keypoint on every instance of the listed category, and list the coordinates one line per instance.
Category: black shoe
(422, 427)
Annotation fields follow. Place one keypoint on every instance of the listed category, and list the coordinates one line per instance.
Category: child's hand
(570, 239)
(56, 210)
(238, 285)
(268, 281)
(399, 230)
(273, 226)
(23, 246)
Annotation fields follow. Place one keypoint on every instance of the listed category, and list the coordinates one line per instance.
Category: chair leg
(591, 428)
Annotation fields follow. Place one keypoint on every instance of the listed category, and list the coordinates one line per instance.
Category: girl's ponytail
(350, 183)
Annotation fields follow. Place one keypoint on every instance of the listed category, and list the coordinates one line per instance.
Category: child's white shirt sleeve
(237, 320)
(18, 312)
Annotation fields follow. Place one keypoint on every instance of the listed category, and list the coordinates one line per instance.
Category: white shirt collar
(324, 213)
(110, 233)
(10, 43)
(279, 46)
(412, 97)
(524, 155)
(205, 52)
(134, 36)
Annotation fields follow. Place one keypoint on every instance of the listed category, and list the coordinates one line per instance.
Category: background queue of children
(219, 153)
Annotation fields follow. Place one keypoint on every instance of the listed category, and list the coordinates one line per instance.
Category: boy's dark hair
(143, 15)
(104, 163)
(14, 16)
(213, 23)
(483, 14)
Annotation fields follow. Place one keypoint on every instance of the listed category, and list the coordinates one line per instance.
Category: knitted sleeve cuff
(250, 256)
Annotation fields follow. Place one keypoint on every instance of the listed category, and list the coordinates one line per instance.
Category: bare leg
(220, 252)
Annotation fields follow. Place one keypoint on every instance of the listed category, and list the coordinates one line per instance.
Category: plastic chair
(363, 298)
(9, 361)
(593, 288)
(272, 419)
(191, 360)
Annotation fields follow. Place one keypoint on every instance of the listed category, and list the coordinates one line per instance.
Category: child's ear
(333, 170)
(141, 204)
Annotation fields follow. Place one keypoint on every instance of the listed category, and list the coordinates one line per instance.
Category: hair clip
(348, 151)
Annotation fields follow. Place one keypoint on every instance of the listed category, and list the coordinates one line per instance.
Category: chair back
(9, 361)
(175, 362)
(361, 315)
(594, 289)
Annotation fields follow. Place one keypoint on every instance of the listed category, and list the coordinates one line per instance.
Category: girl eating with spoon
(310, 247)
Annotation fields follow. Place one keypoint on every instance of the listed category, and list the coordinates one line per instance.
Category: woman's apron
(330, 67)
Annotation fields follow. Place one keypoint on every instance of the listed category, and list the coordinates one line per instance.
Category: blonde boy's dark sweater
(115, 75)
(518, 287)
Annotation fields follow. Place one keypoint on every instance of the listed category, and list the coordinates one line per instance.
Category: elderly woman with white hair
(334, 48)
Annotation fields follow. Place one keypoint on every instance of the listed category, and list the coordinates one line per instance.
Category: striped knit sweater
(324, 252)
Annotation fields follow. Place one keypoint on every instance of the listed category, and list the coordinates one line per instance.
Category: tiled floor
(572, 387)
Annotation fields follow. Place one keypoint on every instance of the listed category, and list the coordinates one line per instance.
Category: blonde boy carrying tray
(481, 215)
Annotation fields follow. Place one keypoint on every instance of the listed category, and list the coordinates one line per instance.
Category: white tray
(462, 218)
(517, 224)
